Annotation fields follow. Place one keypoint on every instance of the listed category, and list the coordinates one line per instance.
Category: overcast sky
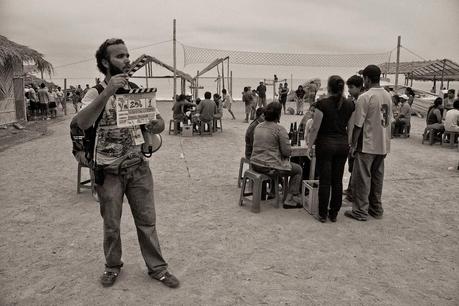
(70, 31)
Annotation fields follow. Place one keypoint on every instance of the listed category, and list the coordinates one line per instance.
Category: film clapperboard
(137, 106)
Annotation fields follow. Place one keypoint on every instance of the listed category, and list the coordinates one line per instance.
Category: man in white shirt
(370, 145)
(452, 118)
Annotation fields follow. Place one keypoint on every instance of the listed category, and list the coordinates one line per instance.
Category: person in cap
(370, 145)
(403, 121)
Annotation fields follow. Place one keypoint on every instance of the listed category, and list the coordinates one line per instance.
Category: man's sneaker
(350, 214)
(375, 215)
(108, 278)
(169, 280)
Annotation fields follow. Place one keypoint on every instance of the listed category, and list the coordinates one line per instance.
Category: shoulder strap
(99, 88)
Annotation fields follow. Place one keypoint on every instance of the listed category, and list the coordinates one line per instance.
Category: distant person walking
(370, 145)
(227, 102)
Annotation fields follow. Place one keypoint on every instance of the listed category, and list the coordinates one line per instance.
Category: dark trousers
(331, 158)
(367, 184)
(136, 183)
(350, 162)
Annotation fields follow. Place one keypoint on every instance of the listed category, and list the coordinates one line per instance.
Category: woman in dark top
(435, 114)
(329, 134)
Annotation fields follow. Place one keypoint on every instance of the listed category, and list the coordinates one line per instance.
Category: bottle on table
(294, 139)
(290, 133)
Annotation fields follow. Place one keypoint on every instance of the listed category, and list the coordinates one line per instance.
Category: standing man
(79, 90)
(120, 168)
(355, 87)
(60, 100)
(261, 91)
(86, 90)
(283, 92)
(370, 145)
(227, 102)
(247, 99)
(44, 98)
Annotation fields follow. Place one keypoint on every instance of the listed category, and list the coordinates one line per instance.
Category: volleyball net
(196, 55)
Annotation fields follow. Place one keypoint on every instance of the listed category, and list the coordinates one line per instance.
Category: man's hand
(352, 151)
(116, 82)
(155, 126)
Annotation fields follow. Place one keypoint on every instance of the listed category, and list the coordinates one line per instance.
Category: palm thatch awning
(11, 53)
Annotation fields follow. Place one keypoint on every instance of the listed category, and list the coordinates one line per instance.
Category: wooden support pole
(223, 75)
(227, 72)
(231, 83)
(197, 85)
(146, 75)
(65, 96)
(442, 74)
(398, 62)
(175, 64)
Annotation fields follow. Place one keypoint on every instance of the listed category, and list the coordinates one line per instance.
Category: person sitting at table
(207, 109)
(178, 109)
(271, 150)
(329, 135)
(403, 119)
(304, 161)
(452, 119)
(251, 130)
(434, 118)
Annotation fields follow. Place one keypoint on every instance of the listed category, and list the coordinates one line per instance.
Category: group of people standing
(357, 129)
(253, 99)
(42, 102)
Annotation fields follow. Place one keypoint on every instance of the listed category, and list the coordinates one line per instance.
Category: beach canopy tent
(220, 79)
(433, 70)
(13, 56)
(185, 77)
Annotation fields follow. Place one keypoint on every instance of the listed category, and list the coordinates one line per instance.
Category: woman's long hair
(335, 87)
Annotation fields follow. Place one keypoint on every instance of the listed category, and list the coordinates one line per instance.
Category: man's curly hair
(102, 52)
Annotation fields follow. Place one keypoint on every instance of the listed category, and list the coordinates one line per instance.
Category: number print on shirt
(385, 115)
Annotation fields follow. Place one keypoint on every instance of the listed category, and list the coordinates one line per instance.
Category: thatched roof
(11, 52)
(425, 70)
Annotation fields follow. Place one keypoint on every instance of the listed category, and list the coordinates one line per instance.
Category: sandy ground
(51, 237)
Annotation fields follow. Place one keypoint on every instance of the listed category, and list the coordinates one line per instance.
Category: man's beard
(113, 69)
